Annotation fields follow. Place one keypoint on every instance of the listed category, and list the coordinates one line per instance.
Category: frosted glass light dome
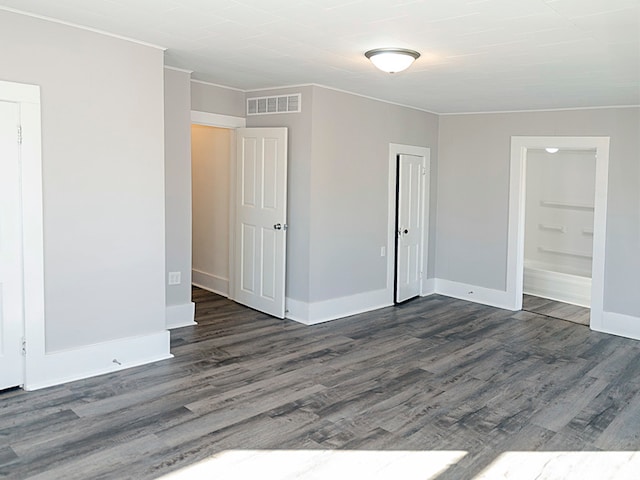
(392, 60)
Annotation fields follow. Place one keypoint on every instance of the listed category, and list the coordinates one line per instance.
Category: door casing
(232, 124)
(517, 196)
(396, 149)
(28, 97)
(11, 269)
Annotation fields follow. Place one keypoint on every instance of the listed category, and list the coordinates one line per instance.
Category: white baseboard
(619, 324)
(473, 293)
(210, 282)
(319, 312)
(558, 286)
(180, 315)
(92, 360)
(428, 287)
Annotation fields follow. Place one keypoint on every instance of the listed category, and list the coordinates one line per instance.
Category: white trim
(396, 149)
(428, 287)
(323, 311)
(210, 282)
(233, 161)
(558, 286)
(82, 27)
(180, 315)
(19, 92)
(217, 120)
(517, 194)
(619, 324)
(176, 69)
(488, 112)
(28, 96)
(559, 109)
(91, 360)
(389, 102)
(297, 310)
(203, 82)
(474, 293)
(281, 87)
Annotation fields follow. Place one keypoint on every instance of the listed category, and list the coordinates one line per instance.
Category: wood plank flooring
(434, 385)
(555, 309)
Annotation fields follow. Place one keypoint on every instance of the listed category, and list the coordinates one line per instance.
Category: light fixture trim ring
(401, 51)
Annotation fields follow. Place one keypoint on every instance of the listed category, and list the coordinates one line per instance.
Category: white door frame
(28, 97)
(231, 123)
(396, 149)
(517, 195)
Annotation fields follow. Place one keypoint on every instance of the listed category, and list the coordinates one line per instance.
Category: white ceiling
(477, 55)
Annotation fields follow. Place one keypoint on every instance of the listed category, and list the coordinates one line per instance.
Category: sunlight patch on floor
(320, 464)
(564, 465)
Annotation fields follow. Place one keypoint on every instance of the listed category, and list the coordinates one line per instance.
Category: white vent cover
(275, 104)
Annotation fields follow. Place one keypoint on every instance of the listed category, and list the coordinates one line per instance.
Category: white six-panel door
(411, 174)
(11, 292)
(261, 219)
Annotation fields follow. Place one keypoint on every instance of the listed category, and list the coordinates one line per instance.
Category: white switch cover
(383, 251)
(174, 278)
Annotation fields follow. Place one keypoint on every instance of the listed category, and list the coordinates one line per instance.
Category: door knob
(406, 231)
(278, 226)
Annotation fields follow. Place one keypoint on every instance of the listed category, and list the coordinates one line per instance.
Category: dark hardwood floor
(399, 388)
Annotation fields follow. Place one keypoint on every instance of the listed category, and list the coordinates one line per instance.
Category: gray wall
(213, 99)
(338, 174)
(299, 191)
(473, 195)
(349, 184)
(177, 141)
(103, 176)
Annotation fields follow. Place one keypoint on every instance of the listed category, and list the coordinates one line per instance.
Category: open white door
(261, 219)
(11, 292)
(409, 234)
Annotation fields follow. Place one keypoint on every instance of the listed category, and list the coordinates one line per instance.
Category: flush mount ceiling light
(552, 149)
(392, 60)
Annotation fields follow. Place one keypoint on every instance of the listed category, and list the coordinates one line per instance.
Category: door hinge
(24, 346)
(424, 171)
(19, 134)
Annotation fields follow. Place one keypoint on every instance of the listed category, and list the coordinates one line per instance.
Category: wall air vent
(275, 104)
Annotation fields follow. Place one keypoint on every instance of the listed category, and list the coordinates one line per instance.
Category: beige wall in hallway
(210, 154)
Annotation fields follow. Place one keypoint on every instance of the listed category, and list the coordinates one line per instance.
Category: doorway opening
(239, 193)
(557, 225)
(212, 153)
(408, 221)
(558, 246)
(210, 182)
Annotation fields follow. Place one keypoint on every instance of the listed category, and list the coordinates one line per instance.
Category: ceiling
(477, 55)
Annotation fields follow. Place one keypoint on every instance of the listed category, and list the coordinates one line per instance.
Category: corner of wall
(180, 315)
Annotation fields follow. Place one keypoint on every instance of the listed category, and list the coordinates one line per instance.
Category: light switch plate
(174, 278)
